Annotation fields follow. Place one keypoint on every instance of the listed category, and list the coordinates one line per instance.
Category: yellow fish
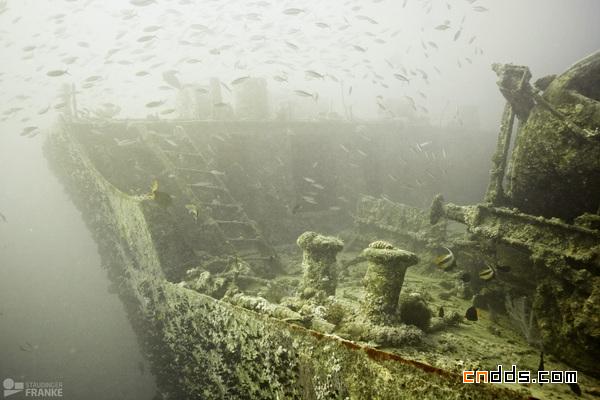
(487, 273)
(162, 198)
(193, 210)
(445, 261)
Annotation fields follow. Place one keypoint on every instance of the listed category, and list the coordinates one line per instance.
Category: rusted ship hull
(202, 348)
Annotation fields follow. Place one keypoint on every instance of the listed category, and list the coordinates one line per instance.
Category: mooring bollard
(319, 263)
(384, 280)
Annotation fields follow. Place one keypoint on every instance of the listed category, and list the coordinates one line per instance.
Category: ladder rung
(207, 187)
(236, 206)
(182, 153)
(254, 239)
(257, 258)
(193, 170)
(232, 222)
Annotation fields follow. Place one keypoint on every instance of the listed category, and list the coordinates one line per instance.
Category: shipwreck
(253, 264)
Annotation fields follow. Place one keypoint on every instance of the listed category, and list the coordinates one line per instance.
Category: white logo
(32, 389)
(11, 387)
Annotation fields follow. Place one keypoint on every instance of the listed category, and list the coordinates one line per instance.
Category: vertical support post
(215, 97)
(66, 96)
(495, 191)
(74, 101)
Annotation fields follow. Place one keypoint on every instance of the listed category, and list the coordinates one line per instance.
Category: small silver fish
(152, 28)
(225, 87)
(154, 104)
(303, 93)
(57, 72)
(201, 184)
(457, 34)
(365, 18)
(125, 142)
(27, 130)
(141, 3)
(309, 199)
(146, 38)
(291, 45)
(293, 11)
(240, 80)
(314, 74)
(93, 78)
(170, 78)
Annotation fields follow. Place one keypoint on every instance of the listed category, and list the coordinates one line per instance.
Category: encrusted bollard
(318, 262)
(384, 279)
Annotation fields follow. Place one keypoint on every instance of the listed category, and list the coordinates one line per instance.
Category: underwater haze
(423, 63)
(116, 52)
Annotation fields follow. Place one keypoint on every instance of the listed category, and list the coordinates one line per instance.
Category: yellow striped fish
(487, 273)
(445, 261)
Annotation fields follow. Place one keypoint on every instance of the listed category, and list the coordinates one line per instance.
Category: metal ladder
(205, 192)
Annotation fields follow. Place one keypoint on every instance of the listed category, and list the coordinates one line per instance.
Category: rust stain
(375, 354)
(372, 353)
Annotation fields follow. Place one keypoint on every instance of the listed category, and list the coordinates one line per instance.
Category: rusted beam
(495, 191)
(538, 235)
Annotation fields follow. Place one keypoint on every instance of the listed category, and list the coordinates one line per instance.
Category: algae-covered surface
(201, 347)
(289, 198)
(558, 143)
(484, 344)
(213, 325)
